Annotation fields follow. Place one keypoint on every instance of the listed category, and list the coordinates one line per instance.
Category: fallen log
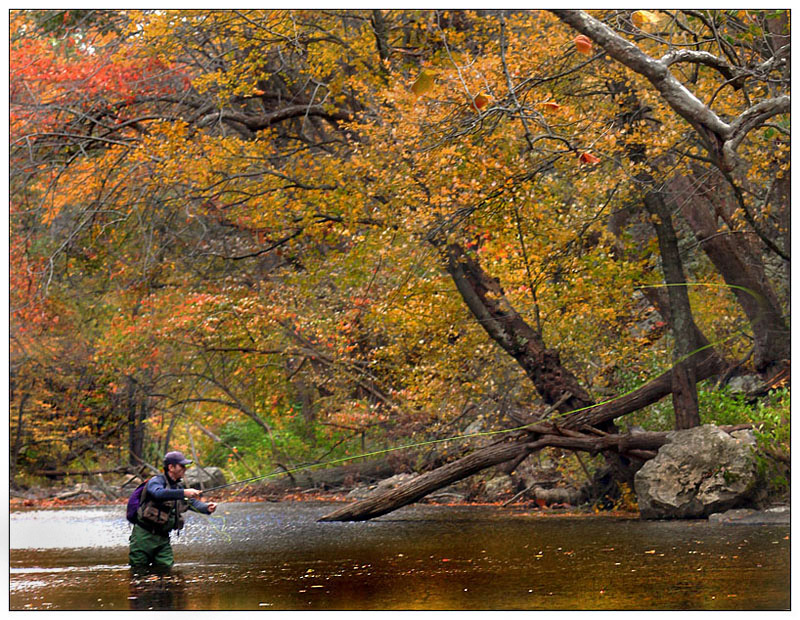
(642, 445)
(94, 472)
(76, 492)
(420, 486)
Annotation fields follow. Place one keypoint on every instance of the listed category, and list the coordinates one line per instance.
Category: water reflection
(277, 557)
(157, 590)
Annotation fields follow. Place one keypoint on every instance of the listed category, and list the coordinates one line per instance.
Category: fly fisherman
(163, 504)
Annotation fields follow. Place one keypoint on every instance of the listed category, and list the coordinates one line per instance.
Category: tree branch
(255, 123)
(722, 139)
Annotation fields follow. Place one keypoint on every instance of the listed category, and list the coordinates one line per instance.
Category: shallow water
(276, 556)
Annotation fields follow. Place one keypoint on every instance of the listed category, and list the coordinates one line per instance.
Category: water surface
(422, 557)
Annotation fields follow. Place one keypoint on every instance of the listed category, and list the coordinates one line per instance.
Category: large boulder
(699, 471)
(204, 477)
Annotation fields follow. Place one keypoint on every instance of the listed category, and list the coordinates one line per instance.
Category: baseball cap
(176, 458)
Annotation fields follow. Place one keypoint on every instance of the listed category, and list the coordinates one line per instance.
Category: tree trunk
(18, 435)
(487, 301)
(651, 392)
(741, 269)
(426, 483)
(684, 329)
(380, 30)
(136, 415)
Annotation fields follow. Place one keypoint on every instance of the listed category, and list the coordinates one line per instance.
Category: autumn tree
(395, 222)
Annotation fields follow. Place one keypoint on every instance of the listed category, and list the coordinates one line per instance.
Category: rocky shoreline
(82, 495)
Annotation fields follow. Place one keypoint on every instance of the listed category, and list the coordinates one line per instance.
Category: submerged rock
(700, 471)
(559, 495)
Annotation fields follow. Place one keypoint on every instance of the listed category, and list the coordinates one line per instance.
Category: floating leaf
(583, 44)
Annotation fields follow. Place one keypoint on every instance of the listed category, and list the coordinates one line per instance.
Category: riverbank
(83, 495)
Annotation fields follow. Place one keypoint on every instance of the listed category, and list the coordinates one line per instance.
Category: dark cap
(176, 458)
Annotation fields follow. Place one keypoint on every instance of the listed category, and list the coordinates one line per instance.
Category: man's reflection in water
(157, 589)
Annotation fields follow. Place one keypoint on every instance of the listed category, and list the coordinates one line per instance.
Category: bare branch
(703, 58)
(263, 121)
(656, 71)
(752, 118)
(721, 138)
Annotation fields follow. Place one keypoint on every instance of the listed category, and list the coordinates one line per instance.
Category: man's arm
(198, 506)
(157, 488)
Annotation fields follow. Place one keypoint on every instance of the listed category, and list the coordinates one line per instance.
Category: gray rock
(445, 497)
(395, 481)
(360, 493)
(498, 487)
(780, 515)
(746, 435)
(558, 495)
(700, 471)
(745, 384)
(204, 477)
(475, 427)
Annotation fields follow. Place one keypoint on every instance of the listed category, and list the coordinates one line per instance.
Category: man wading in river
(163, 504)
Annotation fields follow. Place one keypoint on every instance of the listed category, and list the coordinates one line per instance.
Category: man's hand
(191, 493)
(212, 507)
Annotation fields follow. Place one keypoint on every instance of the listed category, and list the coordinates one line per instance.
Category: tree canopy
(344, 226)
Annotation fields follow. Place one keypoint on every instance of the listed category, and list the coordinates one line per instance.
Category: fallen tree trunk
(649, 393)
(639, 445)
(420, 486)
(556, 384)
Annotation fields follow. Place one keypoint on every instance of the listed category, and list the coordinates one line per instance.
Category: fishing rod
(495, 432)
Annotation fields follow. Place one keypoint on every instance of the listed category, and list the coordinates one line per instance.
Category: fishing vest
(158, 516)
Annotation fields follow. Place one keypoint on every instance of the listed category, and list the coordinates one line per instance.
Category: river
(276, 556)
